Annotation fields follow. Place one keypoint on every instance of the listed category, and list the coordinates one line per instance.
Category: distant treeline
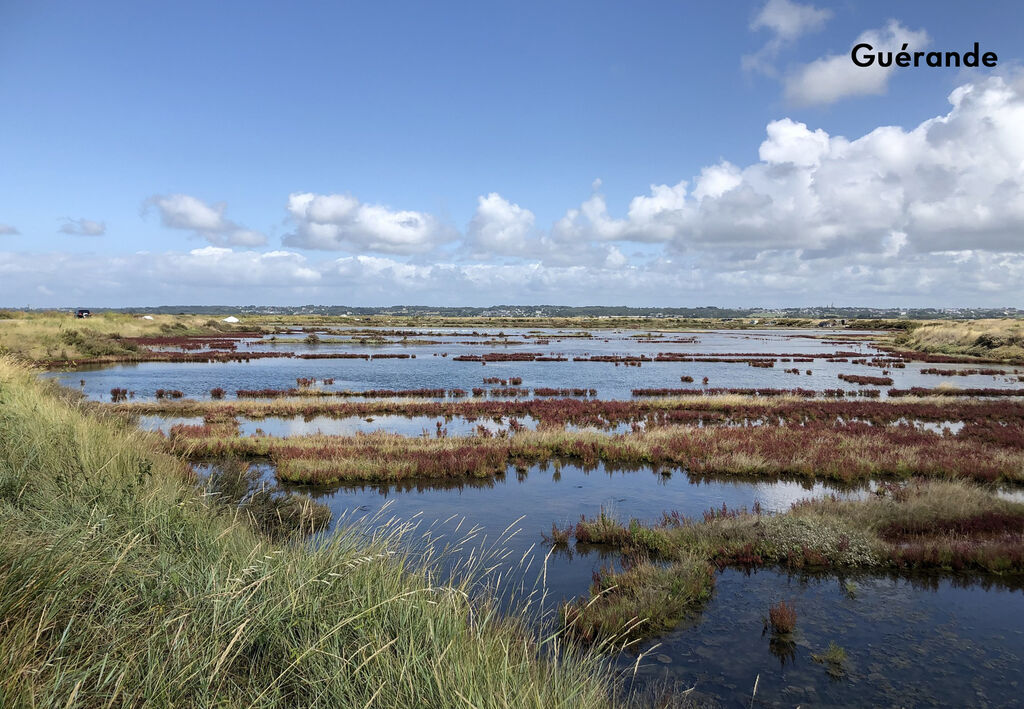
(564, 311)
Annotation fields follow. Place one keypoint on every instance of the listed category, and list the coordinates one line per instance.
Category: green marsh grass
(934, 525)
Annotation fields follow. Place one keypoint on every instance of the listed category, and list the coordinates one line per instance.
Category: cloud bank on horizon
(896, 216)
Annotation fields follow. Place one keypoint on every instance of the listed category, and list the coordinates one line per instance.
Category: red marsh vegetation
(963, 372)
(729, 409)
(863, 380)
(847, 453)
(369, 393)
(920, 391)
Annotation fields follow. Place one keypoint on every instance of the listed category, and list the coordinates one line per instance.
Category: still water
(910, 641)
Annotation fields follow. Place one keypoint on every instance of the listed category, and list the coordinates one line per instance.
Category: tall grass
(121, 584)
(1001, 340)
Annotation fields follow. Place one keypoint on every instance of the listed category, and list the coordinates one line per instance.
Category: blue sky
(479, 153)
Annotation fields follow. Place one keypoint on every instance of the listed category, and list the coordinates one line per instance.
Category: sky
(669, 154)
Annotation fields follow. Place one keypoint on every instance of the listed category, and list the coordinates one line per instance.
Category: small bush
(782, 618)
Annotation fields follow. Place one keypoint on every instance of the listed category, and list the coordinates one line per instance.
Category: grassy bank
(54, 336)
(997, 340)
(922, 525)
(121, 584)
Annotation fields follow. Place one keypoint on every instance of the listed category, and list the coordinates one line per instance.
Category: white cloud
(930, 214)
(182, 211)
(836, 77)
(952, 180)
(651, 218)
(221, 265)
(589, 221)
(791, 142)
(499, 227)
(786, 21)
(339, 222)
(83, 227)
(220, 275)
(615, 259)
(8, 230)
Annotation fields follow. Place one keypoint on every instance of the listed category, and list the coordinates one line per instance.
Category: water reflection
(908, 641)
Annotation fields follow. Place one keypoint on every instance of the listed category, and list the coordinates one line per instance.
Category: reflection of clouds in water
(1011, 495)
(164, 423)
(935, 634)
(406, 426)
(779, 496)
(414, 426)
(934, 426)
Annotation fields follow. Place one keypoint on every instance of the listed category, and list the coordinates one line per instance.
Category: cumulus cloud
(834, 77)
(8, 230)
(499, 227)
(83, 227)
(929, 214)
(952, 180)
(786, 21)
(340, 222)
(182, 211)
(651, 218)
